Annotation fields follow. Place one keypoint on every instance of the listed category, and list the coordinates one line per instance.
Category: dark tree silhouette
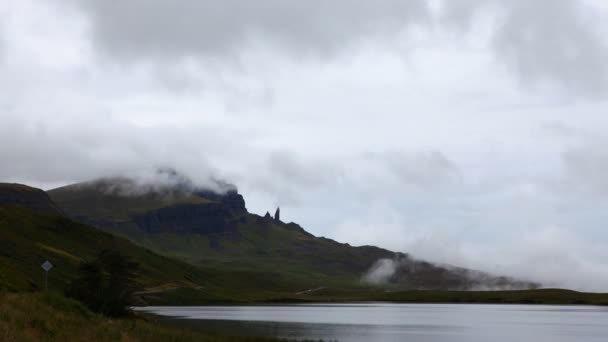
(106, 285)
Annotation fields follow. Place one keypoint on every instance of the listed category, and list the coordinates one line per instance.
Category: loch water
(385, 322)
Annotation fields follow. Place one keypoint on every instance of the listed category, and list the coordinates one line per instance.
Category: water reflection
(400, 322)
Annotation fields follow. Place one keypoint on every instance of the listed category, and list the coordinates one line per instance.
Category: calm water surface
(401, 322)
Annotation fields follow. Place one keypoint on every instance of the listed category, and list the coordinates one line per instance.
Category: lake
(399, 322)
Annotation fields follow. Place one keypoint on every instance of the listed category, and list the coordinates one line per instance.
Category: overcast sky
(471, 132)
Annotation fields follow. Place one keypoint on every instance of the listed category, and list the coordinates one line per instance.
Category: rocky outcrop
(277, 215)
(27, 197)
(231, 199)
(206, 219)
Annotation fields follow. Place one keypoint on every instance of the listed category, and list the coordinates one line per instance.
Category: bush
(106, 285)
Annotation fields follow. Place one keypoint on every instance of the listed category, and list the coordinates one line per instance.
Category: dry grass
(52, 317)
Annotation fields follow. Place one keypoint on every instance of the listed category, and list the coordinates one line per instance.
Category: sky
(469, 132)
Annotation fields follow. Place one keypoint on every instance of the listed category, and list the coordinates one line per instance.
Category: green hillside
(28, 238)
(230, 239)
(27, 197)
(215, 230)
(116, 199)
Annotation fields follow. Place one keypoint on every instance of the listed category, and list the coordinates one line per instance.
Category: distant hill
(207, 228)
(33, 230)
(23, 196)
(213, 228)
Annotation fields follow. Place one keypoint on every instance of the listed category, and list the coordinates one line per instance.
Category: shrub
(106, 285)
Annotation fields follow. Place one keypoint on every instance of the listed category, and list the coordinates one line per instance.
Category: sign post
(46, 266)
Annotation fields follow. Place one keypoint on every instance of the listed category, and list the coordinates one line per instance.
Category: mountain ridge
(21, 195)
(210, 228)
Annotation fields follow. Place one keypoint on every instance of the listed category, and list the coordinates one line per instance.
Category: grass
(269, 263)
(540, 296)
(259, 244)
(284, 257)
(104, 199)
(52, 317)
(28, 238)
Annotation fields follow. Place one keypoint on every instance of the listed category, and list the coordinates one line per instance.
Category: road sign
(46, 266)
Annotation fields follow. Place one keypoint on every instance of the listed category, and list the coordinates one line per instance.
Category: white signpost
(46, 266)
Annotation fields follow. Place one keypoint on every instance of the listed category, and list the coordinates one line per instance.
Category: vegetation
(540, 296)
(28, 238)
(216, 232)
(112, 199)
(268, 262)
(107, 284)
(52, 317)
(295, 259)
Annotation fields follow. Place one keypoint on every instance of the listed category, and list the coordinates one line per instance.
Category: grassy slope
(279, 249)
(306, 259)
(51, 317)
(27, 238)
(541, 296)
(286, 251)
(26, 196)
(93, 200)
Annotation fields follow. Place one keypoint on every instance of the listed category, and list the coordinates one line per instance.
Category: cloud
(394, 123)
(142, 29)
(585, 168)
(72, 150)
(557, 256)
(2, 43)
(554, 45)
(426, 169)
(380, 272)
(3, 20)
(543, 41)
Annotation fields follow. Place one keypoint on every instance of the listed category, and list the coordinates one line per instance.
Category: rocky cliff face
(204, 225)
(27, 197)
(211, 218)
(174, 205)
(232, 200)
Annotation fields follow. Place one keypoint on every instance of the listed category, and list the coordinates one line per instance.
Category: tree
(106, 284)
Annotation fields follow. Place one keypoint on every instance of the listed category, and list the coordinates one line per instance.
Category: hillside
(27, 197)
(31, 235)
(212, 229)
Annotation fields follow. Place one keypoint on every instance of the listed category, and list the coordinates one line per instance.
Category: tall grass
(52, 317)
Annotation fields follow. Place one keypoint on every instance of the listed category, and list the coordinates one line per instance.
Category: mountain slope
(27, 197)
(31, 233)
(214, 229)
(29, 236)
